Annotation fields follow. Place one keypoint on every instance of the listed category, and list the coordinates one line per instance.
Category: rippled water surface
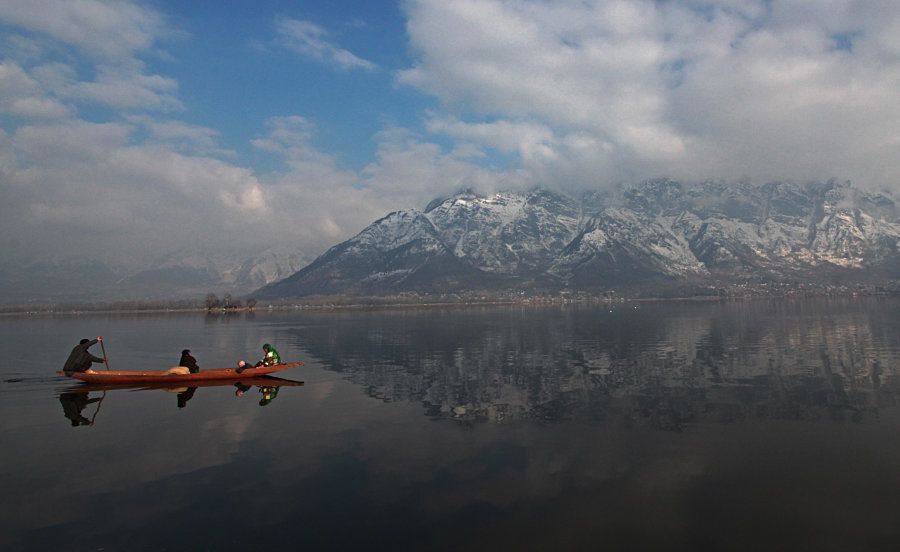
(747, 426)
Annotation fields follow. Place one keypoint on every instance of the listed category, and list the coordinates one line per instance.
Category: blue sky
(147, 128)
(261, 80)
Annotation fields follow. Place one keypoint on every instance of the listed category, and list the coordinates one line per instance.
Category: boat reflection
(77, 397)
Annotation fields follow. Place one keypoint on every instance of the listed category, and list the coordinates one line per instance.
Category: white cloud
(108, 31)
(127, 89)
(22, 96)
(194, 137)
(289, 136)
(311, 41)
(708, 89)
(109, 38)
(74, 180)
(70, 183)
(408, 172)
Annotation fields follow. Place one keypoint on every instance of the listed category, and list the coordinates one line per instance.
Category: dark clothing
(73, 404)
(185, 396)
(80, 359)
(189, 362)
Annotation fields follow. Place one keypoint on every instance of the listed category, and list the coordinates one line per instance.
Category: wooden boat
(165, 376)
(256, 381)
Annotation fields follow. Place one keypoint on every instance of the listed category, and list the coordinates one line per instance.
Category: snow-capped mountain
(658, 231)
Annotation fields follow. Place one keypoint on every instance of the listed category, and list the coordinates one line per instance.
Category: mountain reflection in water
(659, 365)
(697, 425)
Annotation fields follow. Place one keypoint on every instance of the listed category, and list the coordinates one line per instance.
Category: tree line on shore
(212, 303)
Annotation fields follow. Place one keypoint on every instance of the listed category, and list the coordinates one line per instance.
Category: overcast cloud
(562, 94)
(800, 89)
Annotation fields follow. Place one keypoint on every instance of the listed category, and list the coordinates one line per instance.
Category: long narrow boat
(164, 376)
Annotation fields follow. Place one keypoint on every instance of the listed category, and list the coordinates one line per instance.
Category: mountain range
(658, 233)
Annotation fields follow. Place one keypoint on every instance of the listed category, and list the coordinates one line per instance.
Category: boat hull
(159, 376)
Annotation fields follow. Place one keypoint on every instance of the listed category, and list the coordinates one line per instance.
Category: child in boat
(271, 358)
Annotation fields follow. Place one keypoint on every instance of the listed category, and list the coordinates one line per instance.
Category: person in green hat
(270, 358)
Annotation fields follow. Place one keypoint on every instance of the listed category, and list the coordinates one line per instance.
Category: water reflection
(268, 392)
(77, 397)
(657, 365)
(185, 395)
(530, 414)
(74, 404)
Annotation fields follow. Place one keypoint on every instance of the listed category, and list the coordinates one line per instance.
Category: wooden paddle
(103, 348)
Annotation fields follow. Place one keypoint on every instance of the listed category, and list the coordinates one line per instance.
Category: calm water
(680, 426)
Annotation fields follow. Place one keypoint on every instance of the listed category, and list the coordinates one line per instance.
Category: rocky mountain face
(658, 232)
(182, 274)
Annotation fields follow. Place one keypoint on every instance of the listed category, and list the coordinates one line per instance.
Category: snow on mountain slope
(506, 233)
(657, 230)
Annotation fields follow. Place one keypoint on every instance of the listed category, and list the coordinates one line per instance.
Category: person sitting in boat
(80, 359)
(189, 361)
(271, 358)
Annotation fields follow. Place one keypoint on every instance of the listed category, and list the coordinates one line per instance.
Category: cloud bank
(556, 93)
(623, 90)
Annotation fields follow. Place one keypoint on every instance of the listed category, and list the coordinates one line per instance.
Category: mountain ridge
(658, 231)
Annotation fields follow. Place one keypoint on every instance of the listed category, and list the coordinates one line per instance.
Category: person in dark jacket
(80, 359)
(188, 361)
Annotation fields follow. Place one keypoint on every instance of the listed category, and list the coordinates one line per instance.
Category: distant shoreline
(374, 303)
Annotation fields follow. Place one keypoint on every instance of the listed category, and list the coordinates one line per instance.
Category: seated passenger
(271, 358)
(188, 361)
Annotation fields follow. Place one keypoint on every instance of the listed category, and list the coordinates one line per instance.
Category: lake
(680, 425)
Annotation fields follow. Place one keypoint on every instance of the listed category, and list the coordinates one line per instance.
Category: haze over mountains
(658, 233)
(187, 273)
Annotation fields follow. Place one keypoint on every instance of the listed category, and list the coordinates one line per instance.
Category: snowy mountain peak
(659, 231)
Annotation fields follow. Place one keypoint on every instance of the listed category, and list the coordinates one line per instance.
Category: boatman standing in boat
(80, 359)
